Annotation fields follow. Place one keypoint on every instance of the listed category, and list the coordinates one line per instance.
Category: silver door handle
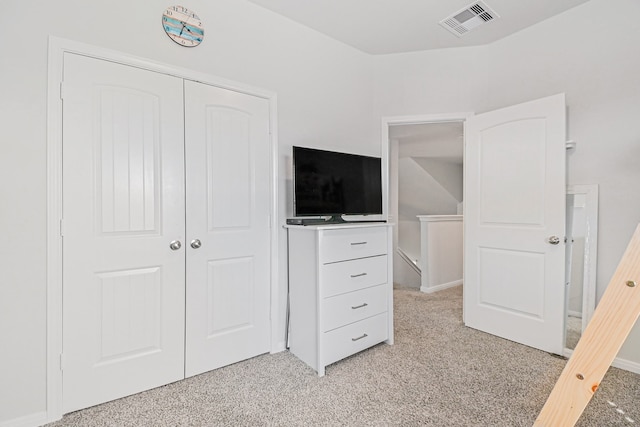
(554, 240)
(175, 245)
(196, 243)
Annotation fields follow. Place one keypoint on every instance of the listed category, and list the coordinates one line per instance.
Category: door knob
(195, 244)
(175, 245)
(554, 240)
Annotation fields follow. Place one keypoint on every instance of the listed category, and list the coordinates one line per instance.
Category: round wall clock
(183, 26)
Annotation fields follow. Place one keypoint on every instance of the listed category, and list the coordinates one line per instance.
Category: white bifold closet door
(228, 201)
(166, 207)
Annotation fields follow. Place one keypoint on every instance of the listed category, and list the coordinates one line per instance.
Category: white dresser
(341, 290)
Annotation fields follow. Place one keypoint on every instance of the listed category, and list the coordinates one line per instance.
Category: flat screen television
(329, 183)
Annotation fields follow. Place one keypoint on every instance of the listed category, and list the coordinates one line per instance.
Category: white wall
(448, 174)
(408, 235)
(431, 82)
(419, 193)
(409, 239)
(589, 53)
(441, 252)
(324, 99)
(404, 275)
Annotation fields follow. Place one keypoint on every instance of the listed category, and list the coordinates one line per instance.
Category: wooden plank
(612, 321)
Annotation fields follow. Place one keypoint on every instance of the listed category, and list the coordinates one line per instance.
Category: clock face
(183, 26)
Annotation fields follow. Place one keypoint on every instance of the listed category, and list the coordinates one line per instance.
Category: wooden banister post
(612, 321)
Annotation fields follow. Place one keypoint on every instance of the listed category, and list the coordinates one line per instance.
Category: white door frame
(391, 195)
(57, 48)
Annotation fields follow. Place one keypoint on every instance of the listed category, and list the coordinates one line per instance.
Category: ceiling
(441, 141)
(393, 26)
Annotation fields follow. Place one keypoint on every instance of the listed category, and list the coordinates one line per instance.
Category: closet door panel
(229, 171)
(228, 206)
(123, 203)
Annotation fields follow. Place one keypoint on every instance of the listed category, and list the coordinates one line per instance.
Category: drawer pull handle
(364, 304)
(358, 243)
(360, 337)
(353, 276)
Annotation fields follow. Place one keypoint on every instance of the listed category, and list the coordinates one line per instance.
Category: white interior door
(123, 186)
(514, 210)
(228, 206)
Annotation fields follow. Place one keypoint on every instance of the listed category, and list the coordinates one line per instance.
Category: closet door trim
(55, 227)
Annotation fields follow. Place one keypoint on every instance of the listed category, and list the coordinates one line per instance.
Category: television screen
(331, 183)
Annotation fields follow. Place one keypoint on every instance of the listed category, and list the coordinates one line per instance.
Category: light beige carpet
(439, 373)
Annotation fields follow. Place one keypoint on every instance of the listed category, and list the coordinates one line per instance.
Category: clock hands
(188, 30)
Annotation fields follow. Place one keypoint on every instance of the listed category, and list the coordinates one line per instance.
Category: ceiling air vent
(469, 18)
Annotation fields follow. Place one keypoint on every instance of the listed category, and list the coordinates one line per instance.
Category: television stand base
(335, 219)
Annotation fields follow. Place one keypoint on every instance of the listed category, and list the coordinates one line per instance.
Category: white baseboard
(436, 288)
(627, 365)
(619, 363)
(33, 420)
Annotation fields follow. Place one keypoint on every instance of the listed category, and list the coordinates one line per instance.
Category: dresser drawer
(351, 307)
(350, 339)
(351, 243)
(349, 276)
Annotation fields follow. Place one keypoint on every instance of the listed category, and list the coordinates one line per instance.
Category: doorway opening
(425, 188)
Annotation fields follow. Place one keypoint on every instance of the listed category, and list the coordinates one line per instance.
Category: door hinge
(62, 361)
(61, 90)
(61, 228)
